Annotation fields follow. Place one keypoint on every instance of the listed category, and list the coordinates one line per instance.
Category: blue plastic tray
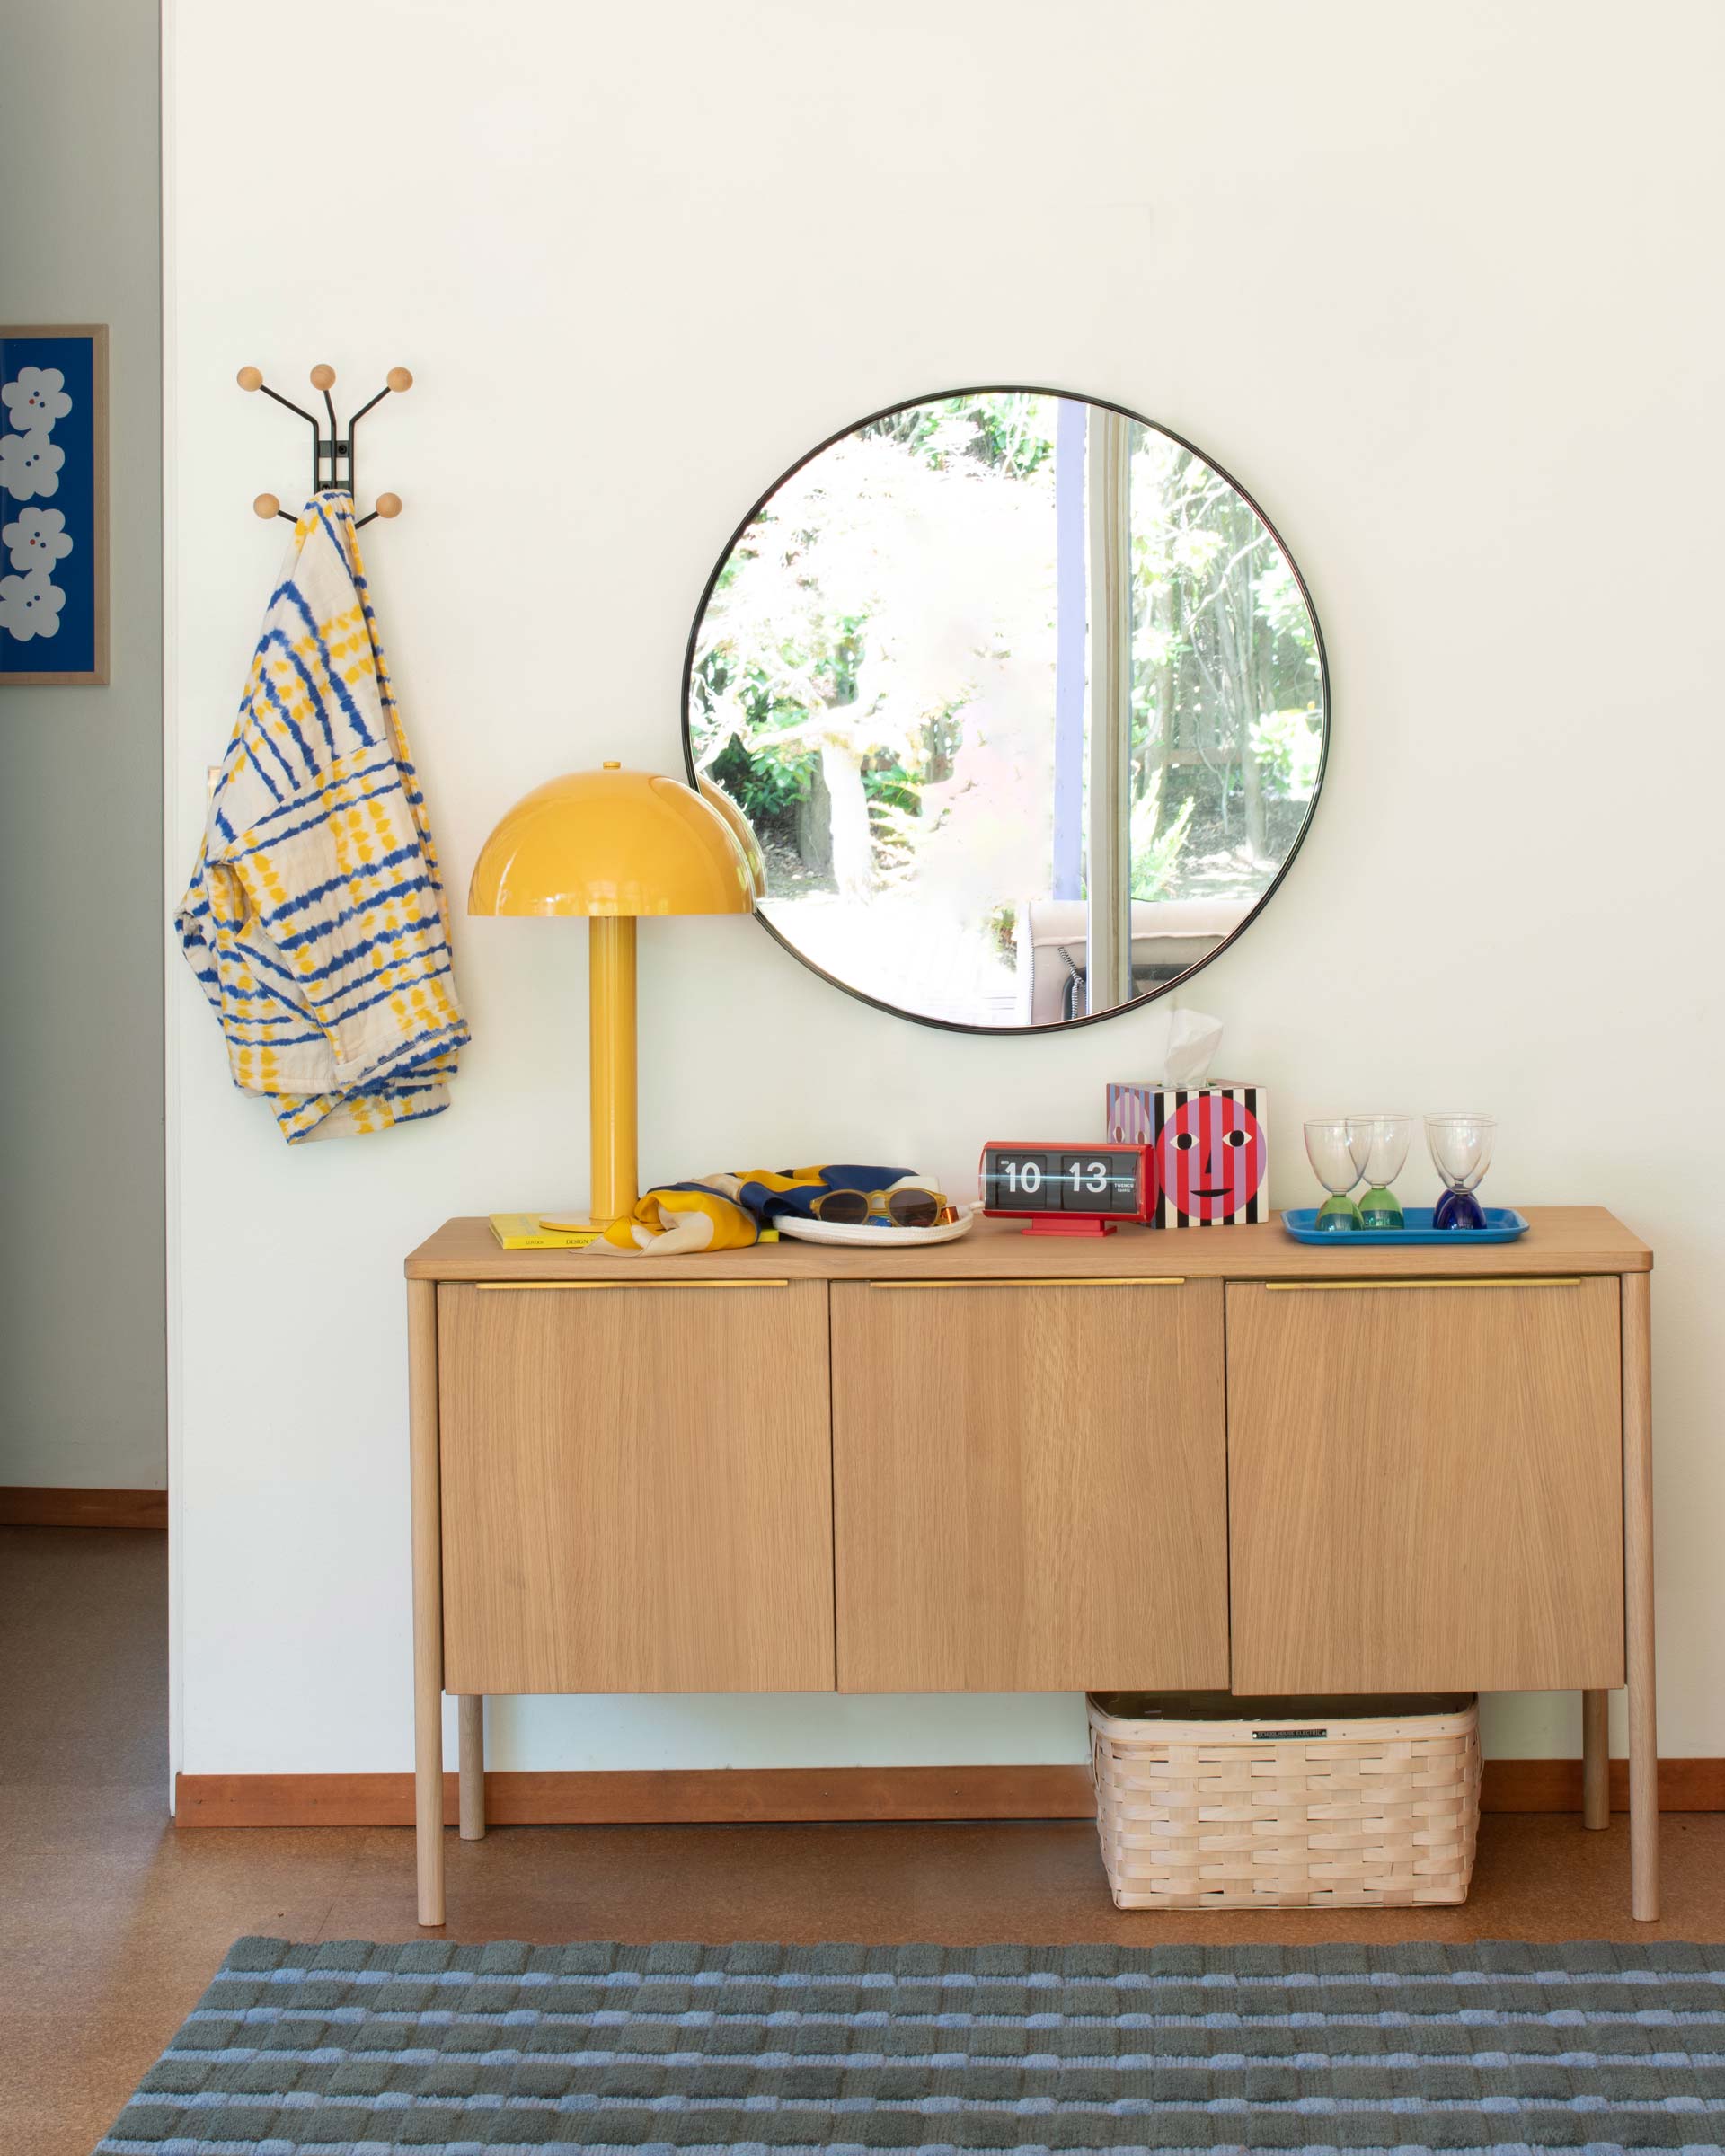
(1503, 1224)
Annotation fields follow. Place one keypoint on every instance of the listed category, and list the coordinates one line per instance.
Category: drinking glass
(1387, 1140)
(1461, 1153)
(1336, 1147)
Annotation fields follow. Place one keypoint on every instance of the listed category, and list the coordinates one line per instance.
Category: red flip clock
(1066, 1189)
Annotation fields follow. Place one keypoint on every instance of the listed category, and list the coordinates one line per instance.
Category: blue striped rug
(360, 2049)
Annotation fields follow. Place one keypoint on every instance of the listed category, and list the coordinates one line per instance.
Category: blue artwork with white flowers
(48, 550)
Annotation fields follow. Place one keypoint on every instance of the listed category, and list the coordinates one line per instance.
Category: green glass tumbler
(1384, 1141)
(1338, 1158)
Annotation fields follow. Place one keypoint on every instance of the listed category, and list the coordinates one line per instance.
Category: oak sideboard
(1215, 1459)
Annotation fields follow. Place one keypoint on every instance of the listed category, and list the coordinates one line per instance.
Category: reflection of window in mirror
(1022, 700)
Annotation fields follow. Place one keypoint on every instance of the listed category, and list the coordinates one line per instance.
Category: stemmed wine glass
(1387, 1140)
(1461, 1153)
(1336, 1148)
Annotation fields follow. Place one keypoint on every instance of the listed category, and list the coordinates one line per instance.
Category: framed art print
(53, 507)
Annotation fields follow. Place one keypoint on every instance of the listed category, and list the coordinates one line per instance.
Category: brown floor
(111, 1923)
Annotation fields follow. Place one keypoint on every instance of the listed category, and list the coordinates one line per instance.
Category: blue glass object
(1461, 1152)
(1457, 1209)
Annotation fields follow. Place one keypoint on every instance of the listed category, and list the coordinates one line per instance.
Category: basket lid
(1233, 1707)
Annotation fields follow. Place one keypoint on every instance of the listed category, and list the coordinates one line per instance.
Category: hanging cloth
(315, 919)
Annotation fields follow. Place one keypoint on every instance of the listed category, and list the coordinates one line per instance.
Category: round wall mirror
(1023, 700)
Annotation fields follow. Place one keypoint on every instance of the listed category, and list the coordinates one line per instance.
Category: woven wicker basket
(1205, 1801)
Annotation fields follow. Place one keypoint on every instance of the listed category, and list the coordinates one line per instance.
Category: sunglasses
(900, 1208)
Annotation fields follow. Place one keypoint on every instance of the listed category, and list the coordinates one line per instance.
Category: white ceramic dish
(865, 1237)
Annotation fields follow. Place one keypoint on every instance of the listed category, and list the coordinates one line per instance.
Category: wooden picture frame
(54, 520)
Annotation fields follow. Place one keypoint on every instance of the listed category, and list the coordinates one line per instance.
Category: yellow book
(523, 1231)
(528, 1232)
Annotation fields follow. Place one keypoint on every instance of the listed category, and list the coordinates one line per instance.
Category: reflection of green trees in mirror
(1007, 430)
(873, 679)
(796, 705)
(1225, 677)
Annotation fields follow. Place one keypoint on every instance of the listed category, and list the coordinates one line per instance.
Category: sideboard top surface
(1560, 1239)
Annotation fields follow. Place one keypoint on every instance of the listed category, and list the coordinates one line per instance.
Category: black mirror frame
(1095, 1018)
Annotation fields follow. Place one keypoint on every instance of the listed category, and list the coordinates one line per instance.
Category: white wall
(1433, 283)
(82, 1381)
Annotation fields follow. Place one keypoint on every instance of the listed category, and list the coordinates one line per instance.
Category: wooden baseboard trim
(1554, 1785)
(740, 1795)
(24, 1506)
(663, 1796)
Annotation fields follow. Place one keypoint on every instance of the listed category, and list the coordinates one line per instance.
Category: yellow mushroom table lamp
(615, 844)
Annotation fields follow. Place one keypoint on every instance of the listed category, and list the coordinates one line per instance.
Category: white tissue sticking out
(1193, 1039)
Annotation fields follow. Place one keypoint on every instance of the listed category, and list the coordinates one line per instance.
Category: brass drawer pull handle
(1344, 1287)
(588, 1287)
(1051, 1280)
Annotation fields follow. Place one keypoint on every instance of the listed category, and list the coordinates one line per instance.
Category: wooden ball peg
(249, 377)
(399, 379)
(323, 377)
(266, 506)
(389, 505)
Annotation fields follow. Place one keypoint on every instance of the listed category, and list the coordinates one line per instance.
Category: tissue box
(1209, 1147)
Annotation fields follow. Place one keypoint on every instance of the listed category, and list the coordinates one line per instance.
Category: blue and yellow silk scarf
(727, 1211)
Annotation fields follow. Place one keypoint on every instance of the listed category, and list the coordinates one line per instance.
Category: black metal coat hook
(332, 454)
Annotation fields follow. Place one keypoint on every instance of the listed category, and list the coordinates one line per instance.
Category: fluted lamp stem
(611, 1052)
(613, 844)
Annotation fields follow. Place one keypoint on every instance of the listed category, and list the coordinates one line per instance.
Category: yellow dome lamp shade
(615, 844)
(744, 831)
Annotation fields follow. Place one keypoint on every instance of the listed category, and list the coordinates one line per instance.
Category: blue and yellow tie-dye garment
(316, 919)
(727, 1211)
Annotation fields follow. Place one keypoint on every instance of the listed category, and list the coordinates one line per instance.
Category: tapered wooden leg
(1638, 1598)
(472, 1766)
(427, 1595)
(1596, 1759)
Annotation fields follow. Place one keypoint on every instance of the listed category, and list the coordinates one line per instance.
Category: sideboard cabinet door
(1030, 1486)
(637, 1489)
(1425, 1487)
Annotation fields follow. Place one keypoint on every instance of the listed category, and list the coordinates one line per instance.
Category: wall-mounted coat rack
(332, 454)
